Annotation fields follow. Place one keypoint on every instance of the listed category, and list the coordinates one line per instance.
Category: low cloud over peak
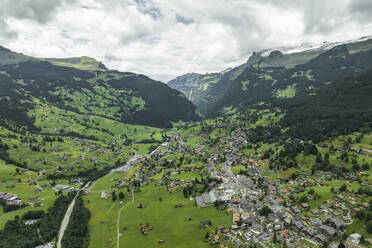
(163, 38)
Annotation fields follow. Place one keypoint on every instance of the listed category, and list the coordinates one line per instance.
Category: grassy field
(23, 190)
(325, 193)
(288, 92)
(169, 223)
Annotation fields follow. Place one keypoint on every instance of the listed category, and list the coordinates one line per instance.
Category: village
(265, 208)
(262, 208)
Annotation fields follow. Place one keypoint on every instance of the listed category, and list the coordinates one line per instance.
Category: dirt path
(118, 221)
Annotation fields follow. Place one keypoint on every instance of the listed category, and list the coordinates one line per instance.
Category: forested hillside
(124, 97)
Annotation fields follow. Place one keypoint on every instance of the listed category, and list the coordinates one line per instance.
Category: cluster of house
(10, 198)
(63, 188)
(287, 218)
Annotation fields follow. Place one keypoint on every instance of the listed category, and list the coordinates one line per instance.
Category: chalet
(320, 238)
(337, 224)
(315, 212)
(104, 195)
(340, 197)
(305, 206)
(204, 223)
(345, 218)
(236, 201)
(343, 208)
(309, 231)
(365, 205)
(354, 238)
(316, 222)
(35, 204)
(295, 210)
(236, 219)
(327, 231)
(245, 215)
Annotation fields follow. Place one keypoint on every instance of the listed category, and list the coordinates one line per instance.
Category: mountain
(339, 108)
(83, 63)
(204, 89)
(277, 75)
(280, 77)
(85, 86)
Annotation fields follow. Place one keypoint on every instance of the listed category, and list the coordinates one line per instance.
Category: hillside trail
(118, 221)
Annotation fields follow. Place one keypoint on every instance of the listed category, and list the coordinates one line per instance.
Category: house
(206, 199)
(315, 212)
(236, 201)
(104, 195)
(284, 234)
(316, 222)
(354, 238)
(236, 219)
(320, 238)
(288, 219)
(327, 231)
(245, 215)
(305, 206)
(337, 224)
(204, 223)
(35, 204)
(295, 210)
(33, 198)
(309, 231)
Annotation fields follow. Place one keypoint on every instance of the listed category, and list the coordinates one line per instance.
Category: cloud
(164, 38)
(38, 10)
(361, 10)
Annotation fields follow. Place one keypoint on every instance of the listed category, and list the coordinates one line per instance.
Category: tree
(121, 195)
(303, 199)
(113, 194)
(355, 167)
(369, 226)
(265, 211)
(275, 240)
(365, 166)
(343, 188)
(326, 157)
(284, 244)
(206, 235)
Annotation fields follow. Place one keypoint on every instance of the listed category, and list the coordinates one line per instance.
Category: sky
(167, 38)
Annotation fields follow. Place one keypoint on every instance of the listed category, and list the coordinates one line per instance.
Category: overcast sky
(167, 38)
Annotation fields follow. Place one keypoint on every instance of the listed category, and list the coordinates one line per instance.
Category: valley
(280, 156)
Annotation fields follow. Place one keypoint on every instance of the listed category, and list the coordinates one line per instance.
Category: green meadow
(169, 223)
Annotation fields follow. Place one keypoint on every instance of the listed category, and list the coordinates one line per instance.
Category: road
(65, 221)
(88, 188)
(118, 220)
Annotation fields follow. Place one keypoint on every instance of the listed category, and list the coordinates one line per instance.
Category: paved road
(65, 221)
(118, 221)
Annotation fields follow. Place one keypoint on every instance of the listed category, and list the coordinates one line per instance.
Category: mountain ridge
(123, 96)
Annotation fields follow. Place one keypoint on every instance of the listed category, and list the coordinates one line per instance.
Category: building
(206, 199)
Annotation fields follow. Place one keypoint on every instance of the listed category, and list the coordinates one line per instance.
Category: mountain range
(85, 86)
(274, 74)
